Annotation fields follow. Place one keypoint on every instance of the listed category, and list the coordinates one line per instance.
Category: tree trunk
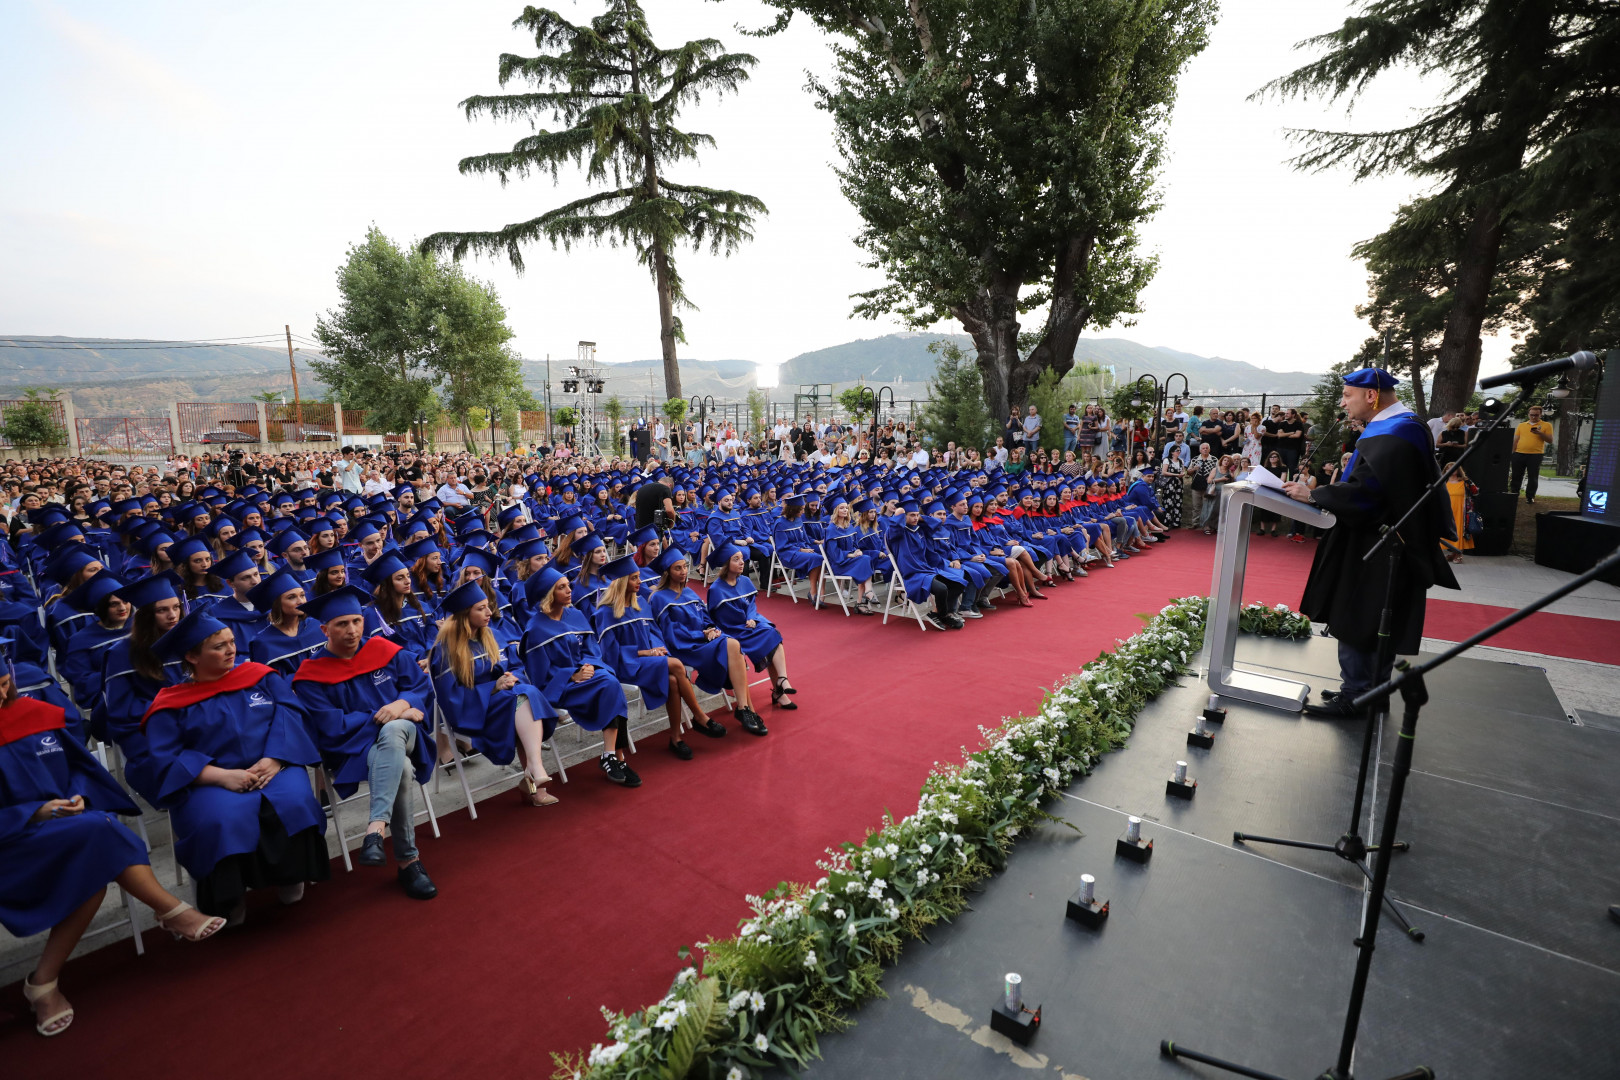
(1417, 379)
(1569, 425)
(666, 321)
(1458, 366)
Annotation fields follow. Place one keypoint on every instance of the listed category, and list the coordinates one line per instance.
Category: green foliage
(811, 954)
(33, 423)
(857, 402)
(956, 412)
(565, 417)
(1052, 395)
(616, 95)
(1002, 158)
(613, 409)
(1119, 402)
(675, 409)
(757, 403)
(267, 396)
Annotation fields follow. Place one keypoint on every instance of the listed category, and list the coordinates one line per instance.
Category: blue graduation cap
(62, 532)
(94, 591)
(264, 595)
(642, 537)
(421, 550)
(1371, 378)
(570, 524)
(722, 555)
(239, 562)
(910, 507)
(285, 539)
(482, 559)
(336, 604)
(622, 567)
(185, 549)
(197, 627)
(387, 565)
(539, 586)
(149, 590)
(462, 597)
(529, 549)
(324, 560)
(69, 561)
(154, 540)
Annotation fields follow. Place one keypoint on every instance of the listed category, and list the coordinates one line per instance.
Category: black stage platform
(1245, 952)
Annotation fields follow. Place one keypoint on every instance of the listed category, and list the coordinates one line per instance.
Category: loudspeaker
(1488, 466)
(1498, 509)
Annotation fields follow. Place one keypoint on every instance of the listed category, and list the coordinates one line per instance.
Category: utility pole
(548, 399)
(298, 406)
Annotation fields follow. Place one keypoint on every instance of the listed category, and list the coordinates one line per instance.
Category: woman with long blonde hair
(561, 655)
(480, 699)
(639, 656)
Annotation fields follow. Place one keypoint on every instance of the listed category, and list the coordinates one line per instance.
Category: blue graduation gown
(918, 563)
(125, 697)
(681, 620)
(19, 613)
(342, 698)
(244, 622)
(621, 638)
(282, 651)
(846, 560)
(231, 729)
(791, 539)
(553, 650)
(731, 607)
(415, 632)
(487, 716)
(81, 663)
(62, 621)
(33, 681)
(54, 866)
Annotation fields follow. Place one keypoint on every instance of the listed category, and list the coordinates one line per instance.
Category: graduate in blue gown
(841, 538)
(561, 655)
(19, 615)
(588, 584)
(403, 616)
(133, 674)
(61, 843)
(632, 644)
(792, 544)
(226, 747)
(924, 572)
(287, 637)
(237, 611)
(479, 698)
(731, 607)
(81, 663)
(691, 637)
(369, 707)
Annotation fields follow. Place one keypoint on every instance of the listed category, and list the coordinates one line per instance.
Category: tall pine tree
(617, 95)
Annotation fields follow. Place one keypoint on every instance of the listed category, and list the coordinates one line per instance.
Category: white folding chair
(896, 581)
(323, 781)
(828, 575)
(100, 753)
(790, 577)
(440, 724)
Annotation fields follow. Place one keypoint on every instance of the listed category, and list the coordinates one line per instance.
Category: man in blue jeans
(1071, 428)
(368, 706)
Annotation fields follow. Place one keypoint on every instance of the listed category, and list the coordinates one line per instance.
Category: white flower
(606, 1055)
(925, 849)
(876, 891)
(838, 913)
(948, 817)
(735, 1074)
(686, 976)
(922, 877)
(756, 1002)
(761, 1043)
(738, 1000)
(892, 849)
(750, 928)
(854, 888)
(1051, 774)
(668, 1020)
(810, 959)
(851, 930)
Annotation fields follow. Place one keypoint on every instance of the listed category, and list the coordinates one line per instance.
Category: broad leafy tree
(33, 423)
(1001, 157)
(615, 96)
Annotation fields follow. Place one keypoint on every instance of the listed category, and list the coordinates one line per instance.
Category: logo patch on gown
(379, 676)
(258, 698)
(48, 745)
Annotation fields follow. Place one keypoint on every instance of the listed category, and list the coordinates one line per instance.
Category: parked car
(226, 435)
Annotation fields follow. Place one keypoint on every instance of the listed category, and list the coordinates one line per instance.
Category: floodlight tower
(585, 381)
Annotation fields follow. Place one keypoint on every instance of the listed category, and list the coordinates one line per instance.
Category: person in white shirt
(1437, 424)
(919, 460)
(1179, 450)
(375, 484)
(346, 472)
(453, 492)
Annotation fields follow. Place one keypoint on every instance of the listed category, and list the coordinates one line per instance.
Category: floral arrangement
(811, 953)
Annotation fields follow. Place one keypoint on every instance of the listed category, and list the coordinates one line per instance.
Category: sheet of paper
(1264, 477)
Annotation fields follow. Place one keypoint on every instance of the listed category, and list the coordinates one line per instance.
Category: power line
(140, 348)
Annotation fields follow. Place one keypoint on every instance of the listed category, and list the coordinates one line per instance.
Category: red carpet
(1576, 637)
(544, 915)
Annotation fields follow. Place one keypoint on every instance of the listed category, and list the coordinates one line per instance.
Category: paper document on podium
(1260, 476)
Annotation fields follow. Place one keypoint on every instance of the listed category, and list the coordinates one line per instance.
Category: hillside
(144, 377)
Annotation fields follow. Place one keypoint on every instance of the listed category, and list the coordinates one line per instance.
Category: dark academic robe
(54, 866)
(1393, 463)
(232, 722)
(342, 698)
(732, 608)
(487, 716)
(553, 650)
(681, 620)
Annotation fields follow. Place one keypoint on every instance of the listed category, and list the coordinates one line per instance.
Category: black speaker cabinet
(1488, 466)
(1498, 509)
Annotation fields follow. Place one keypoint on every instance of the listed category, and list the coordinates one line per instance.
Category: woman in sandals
(61, 843)
(731, 606)
(694, 640)
(480, 699)
(639, 656)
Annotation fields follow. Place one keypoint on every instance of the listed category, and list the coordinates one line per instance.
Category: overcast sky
(197, 170)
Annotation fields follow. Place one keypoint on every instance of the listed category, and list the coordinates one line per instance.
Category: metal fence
(213, 422)
(58, 416)
(354, 422)
(125, 436)
(310, 421)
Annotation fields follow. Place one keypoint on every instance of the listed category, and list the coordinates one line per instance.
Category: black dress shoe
(954, 622)
(1614, 912)
(1337, 709)
(712, 728)
(679, 748)
(416, 883)
(750, 722)
(371, 850)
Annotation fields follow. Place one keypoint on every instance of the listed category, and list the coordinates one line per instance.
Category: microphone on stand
(1324, 440)
(1581, 361)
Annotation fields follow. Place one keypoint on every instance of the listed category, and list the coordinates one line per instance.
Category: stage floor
(1245, 951)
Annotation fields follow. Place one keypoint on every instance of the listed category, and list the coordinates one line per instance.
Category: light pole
(1136, 402)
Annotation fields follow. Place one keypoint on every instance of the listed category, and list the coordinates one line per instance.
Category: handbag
(1200, 481)
(1473, 522)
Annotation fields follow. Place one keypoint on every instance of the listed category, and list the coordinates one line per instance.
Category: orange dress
(1458, 490)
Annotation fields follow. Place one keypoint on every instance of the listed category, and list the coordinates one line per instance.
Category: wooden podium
(1226, 679)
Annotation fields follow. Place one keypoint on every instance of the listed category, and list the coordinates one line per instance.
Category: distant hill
(144, 377)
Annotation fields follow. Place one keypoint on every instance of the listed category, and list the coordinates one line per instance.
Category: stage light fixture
(1131, 845)
(1083, 907)
(1200, 736)
(1009, 1017)
(1180, 785)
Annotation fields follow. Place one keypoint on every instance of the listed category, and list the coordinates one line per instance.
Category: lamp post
(877, 405)
(1136, 402)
